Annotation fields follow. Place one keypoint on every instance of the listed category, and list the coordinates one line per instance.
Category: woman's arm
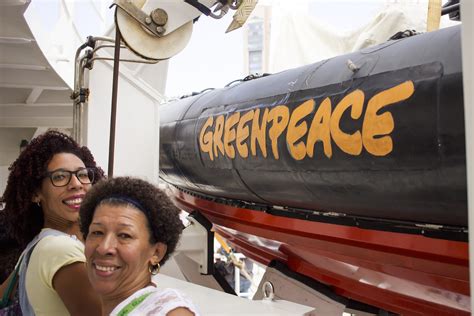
(73, 287)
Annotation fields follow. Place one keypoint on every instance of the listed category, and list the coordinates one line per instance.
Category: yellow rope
(223, 243)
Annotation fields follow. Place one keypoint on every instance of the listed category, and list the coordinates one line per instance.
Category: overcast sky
(213, 58)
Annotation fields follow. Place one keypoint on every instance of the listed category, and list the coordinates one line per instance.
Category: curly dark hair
(23, 218)
(164, 223)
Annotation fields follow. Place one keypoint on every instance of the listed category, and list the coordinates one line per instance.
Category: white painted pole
(467, 42)
(237, 280)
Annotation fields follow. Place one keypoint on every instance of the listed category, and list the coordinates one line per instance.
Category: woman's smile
(74, 202)
(104, 270)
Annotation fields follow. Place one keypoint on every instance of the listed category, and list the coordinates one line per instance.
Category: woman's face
(62, 204)
(118, 250)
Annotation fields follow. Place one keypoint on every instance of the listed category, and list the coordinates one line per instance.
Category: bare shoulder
(180, 311)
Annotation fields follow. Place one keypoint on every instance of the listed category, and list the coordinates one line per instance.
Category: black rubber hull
(385, 141)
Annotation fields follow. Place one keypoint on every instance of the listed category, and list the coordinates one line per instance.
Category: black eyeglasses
(61, 177)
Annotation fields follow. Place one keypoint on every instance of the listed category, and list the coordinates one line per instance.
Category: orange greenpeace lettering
(244, 133)
(258, 133)
(229, 134)
(279, 115)
(378, 125)
(348, 143)
(297, 131)
(320, 130)
(218, 131)
(205, 138)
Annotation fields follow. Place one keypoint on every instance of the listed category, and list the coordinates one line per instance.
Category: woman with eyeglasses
(45, 189)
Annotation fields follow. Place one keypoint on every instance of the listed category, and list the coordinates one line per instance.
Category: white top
(48, 257)
(156, 302)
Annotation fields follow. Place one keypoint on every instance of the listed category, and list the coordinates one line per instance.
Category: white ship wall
(137, 122)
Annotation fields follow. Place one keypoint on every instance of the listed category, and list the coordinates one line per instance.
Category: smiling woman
(45, 189)
(131, 228)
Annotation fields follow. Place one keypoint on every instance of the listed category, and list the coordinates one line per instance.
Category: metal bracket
(197, 242)
(80, 96)
(141, 17)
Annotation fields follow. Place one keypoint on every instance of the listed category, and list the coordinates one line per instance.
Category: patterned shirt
(152, 301)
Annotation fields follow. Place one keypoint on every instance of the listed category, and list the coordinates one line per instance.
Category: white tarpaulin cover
(298, 38)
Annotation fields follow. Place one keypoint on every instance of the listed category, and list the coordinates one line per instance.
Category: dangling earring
(154, 268)
(39, 204)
